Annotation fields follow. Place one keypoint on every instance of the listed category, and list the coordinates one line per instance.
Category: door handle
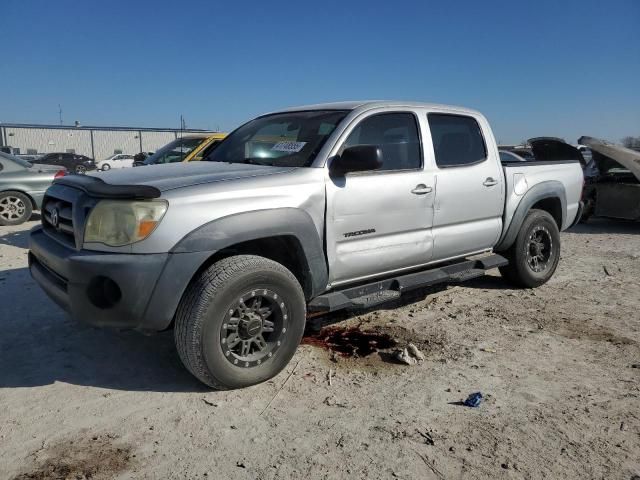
(490, 182)
(421, 189)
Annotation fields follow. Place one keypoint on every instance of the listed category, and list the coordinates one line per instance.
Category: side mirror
(359, 158)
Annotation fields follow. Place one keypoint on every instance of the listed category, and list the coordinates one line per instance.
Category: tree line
(632, 142)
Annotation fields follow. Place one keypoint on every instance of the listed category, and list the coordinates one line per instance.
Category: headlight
(117, 222)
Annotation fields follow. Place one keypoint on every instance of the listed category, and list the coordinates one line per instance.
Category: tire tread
(189, 319)
(513, 272)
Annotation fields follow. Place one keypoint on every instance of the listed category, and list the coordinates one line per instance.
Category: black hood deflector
(96, 187)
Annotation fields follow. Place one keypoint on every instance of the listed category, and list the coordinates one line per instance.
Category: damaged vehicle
(552, 149)
(313, 209)
(613, 190)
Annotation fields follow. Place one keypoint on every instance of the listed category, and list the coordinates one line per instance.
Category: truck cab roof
(363, 105)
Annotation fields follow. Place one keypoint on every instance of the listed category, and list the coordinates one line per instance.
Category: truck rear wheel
(534, 256)
(240, 322)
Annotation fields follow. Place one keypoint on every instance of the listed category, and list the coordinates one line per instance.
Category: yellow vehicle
(183, 149)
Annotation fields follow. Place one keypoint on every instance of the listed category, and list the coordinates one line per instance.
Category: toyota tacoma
(307, 210)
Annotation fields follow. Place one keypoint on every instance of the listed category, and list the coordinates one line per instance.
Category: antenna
(60, 113)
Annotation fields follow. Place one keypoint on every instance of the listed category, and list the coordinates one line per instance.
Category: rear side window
(396, 134)
(457, 140)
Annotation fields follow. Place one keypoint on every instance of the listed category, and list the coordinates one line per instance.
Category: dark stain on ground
(350, 341)
(95, 457)
(585, 331)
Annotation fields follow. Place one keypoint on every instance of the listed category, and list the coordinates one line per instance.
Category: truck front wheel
(240, 322)
(534, 256)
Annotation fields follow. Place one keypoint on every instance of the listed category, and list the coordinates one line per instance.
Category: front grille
(57, 219)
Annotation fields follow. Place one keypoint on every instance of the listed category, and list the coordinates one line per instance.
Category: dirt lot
(562, 398)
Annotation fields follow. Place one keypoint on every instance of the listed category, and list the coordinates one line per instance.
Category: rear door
(469, 186)
(380, 221)
(53, 159)
(69, 161)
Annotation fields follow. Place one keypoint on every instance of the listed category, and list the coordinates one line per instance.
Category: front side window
(291, 139)
(396, 134)
(457, 140)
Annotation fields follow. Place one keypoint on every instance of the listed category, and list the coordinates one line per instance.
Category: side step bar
(371, 294)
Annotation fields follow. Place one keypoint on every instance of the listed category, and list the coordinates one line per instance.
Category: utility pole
(181, 137)
(60, 113)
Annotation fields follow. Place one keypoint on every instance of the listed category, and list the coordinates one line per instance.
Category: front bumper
(110, 289)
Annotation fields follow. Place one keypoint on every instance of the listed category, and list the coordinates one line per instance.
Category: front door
(380, 221)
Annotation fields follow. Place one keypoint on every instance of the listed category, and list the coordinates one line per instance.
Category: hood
(43, 168)
(611, 153)
(551, 149)
(185, 174)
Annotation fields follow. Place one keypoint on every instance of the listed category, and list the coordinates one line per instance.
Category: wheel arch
(549, 196)
(285, 235)
(34, 205)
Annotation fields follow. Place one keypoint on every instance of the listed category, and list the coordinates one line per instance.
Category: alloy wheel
(539, 249)
(12, 208)
(254, 328)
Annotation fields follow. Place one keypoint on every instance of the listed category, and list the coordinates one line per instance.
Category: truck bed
(521, 177)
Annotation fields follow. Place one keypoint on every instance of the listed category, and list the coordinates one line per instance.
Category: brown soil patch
(86, 458)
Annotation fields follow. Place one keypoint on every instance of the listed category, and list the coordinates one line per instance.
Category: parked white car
(119, 160)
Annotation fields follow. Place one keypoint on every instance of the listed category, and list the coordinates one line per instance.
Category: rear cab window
(457, 140)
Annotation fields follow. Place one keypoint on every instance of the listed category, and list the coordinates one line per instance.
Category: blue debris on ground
(474, 400)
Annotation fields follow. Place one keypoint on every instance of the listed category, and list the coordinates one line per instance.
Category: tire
(81, 169)
(106, 167)
(15, 208)
(538, 237)
(588, 209)
(219, 309)
(584, 218)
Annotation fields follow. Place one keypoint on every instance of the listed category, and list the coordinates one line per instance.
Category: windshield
(19, 161)
(175, 151)
(290, 139)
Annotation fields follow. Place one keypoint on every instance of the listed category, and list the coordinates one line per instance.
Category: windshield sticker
(291, 147)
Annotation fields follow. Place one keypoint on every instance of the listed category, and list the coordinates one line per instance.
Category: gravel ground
(555, 365)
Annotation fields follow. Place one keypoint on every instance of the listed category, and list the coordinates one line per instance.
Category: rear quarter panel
(34, 184)
(522, 177)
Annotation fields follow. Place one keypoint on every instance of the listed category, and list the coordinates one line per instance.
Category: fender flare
(541, 191)
(246, 226)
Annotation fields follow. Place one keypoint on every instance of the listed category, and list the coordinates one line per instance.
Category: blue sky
(563, 68)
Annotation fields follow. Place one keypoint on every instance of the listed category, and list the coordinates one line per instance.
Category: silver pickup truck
(311, 209)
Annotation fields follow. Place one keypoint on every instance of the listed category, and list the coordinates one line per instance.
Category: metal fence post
(93, 153)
